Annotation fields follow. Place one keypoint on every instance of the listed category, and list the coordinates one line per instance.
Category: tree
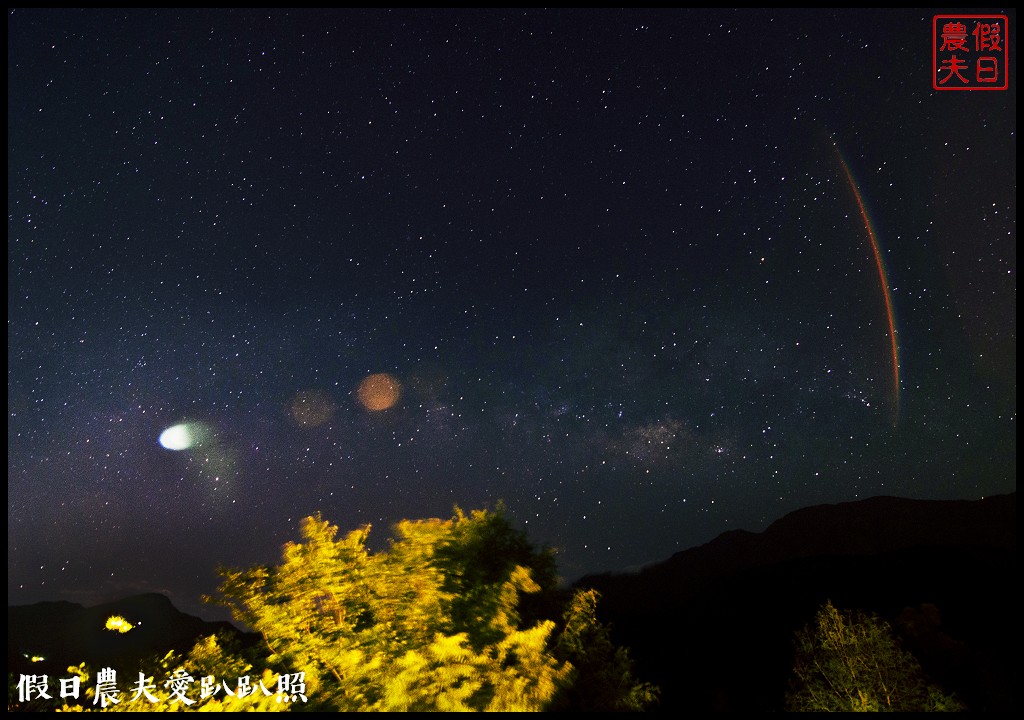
(603, 678)
(847, 661)
(437, 622)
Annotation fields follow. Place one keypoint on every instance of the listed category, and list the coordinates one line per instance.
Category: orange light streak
(883, 279)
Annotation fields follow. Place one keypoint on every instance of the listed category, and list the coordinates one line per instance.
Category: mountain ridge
(62, 633)
(713, 625)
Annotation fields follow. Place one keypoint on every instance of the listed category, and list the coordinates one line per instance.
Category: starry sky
(645, 276)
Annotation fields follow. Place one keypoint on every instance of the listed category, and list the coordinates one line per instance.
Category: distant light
(177, 437)
(116, 623)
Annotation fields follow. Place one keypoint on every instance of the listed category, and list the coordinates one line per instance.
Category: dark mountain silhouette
(64, 633)
(713, 626)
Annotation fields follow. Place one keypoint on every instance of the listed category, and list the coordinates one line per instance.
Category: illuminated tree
(436, 622)
(455, 615)
(848, 661)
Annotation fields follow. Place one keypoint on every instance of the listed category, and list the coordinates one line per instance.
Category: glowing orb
(178, 437)
(310, 408)
(379, 391)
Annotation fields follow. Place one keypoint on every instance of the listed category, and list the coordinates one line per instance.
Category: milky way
(598, 265)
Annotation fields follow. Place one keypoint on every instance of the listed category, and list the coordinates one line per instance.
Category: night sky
(609, 267)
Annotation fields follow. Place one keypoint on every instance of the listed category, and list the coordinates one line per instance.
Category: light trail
(884, 280)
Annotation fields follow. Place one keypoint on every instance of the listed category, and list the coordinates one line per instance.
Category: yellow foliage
(430, 624)
(435, 623)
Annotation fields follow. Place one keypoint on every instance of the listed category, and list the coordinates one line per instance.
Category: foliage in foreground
(847, 661)
(455, 615)
(208, 661)
(438, 622)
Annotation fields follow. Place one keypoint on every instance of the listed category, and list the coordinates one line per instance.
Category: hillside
(713, 625)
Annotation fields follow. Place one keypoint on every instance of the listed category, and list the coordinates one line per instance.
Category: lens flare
(379, 391)
(310, 408)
